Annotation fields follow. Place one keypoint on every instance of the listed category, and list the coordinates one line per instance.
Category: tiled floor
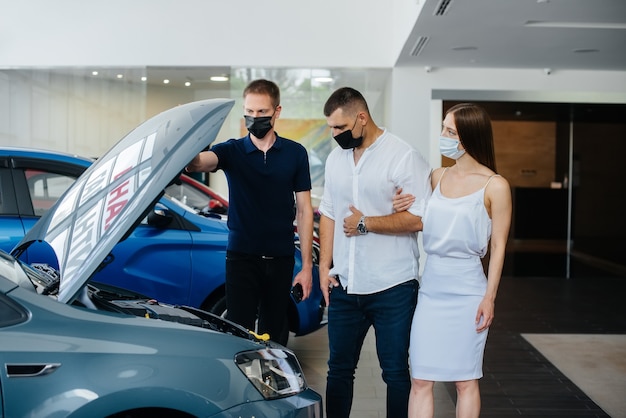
(596, 363)
(518, 379)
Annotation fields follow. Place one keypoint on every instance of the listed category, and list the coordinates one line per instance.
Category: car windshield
(195, 200)
(181, 203)
(188, 195)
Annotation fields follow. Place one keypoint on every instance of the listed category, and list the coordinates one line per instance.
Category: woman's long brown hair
(473, 126)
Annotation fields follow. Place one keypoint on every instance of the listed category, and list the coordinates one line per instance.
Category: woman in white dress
(468, 213)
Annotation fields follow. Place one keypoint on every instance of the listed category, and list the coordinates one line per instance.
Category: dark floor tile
(549, 402)
(502, 413)
(559, 305)
(518, 380)
(536, 264)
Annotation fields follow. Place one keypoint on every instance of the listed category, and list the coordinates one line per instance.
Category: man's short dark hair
(262, 86)
(346, 98)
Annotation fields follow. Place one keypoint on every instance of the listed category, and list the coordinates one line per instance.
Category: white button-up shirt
(374, 262)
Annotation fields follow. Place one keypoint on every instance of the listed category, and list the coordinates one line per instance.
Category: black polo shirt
(261, 187)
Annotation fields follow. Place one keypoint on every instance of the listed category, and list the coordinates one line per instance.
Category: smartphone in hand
(297, 293)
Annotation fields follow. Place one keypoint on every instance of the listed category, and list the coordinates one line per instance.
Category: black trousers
(259, 285)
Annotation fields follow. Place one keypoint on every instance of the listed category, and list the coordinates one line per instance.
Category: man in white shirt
(369, 254)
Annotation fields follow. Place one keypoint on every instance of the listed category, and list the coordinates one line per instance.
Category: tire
(216, 306)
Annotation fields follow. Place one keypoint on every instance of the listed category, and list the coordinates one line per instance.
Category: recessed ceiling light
(144, 78)
(120, 76)
(166, 81)
(323, 79)
(218, 78)
(187, 83)
(94, 73)
(574, 25)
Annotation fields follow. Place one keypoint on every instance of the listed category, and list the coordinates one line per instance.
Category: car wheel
(216, 305)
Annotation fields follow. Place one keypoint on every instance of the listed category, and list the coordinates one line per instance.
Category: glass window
(200, 199)
(45, 188)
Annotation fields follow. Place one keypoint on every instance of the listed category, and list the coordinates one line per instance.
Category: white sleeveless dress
(444, 343)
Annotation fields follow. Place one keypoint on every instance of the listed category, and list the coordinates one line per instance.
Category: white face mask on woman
(450, 148)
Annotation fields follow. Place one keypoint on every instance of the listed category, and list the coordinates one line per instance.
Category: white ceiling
(544, 34)
(556, 34)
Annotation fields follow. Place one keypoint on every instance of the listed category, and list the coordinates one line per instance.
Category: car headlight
(274, 372)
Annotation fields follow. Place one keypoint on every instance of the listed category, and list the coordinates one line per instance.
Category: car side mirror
(160, 217)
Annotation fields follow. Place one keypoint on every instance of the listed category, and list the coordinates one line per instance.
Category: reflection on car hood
(112, 196)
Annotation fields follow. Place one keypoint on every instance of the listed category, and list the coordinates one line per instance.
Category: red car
(194, 194)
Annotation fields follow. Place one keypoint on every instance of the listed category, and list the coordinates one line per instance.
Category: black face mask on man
(345, 139)
(259, 127)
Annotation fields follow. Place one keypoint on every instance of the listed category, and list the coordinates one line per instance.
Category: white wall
(44, 109)
(415, 116)
(345, 33)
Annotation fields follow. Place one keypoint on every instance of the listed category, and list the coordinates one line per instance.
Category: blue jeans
(259, 285)
(390, 312)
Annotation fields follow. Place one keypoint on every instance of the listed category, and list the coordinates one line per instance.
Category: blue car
(176, 254)
(72, 347)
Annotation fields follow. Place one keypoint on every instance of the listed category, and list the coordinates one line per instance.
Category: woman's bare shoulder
(498, 184)
(436, 174)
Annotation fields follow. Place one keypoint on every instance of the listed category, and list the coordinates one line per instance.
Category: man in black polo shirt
(264, 173)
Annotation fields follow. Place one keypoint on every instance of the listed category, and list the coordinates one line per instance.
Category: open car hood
(113, 195)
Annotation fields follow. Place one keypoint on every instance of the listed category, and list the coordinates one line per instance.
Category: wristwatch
(361, 226)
